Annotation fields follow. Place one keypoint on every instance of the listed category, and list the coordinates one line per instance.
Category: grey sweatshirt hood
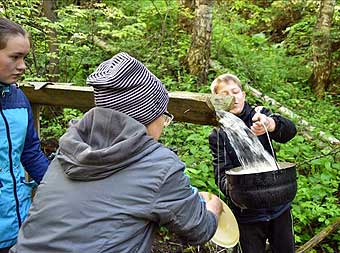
(103, 142)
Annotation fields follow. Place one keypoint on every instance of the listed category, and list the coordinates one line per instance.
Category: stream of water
(249, 150)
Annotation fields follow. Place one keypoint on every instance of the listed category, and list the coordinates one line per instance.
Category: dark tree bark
(322, 48)
(52, 67)
(184, 19)
(199, 53)
(86, 3)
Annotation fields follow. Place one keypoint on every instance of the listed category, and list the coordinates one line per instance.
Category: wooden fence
(185, 106)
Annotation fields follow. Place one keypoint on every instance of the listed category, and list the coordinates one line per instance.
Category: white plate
(227, 234)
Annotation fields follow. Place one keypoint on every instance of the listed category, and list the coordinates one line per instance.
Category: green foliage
(317, 194)
(299, 36)
(54, 128)
(191, 144)
(253, 60)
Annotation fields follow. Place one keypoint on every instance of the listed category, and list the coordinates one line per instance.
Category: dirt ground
(166, 242)
(170, 243)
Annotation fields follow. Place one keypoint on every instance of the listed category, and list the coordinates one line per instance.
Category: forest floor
(170, 243)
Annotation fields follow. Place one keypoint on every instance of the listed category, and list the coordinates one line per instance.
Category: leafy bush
(191, 144)
(55, 127)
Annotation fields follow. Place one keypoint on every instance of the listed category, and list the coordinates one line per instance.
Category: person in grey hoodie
(112, 184)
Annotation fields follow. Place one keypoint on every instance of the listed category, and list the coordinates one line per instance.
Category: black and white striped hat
(124, 84)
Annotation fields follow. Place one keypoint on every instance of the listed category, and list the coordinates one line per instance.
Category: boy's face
(232, 89)
(155, 128)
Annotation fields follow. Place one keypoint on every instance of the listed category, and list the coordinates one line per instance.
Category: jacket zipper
(11, 162)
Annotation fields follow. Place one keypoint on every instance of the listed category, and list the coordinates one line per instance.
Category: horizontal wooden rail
(185, 106)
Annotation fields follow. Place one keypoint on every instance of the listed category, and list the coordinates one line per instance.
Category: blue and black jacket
(225, 158)
(19, 151)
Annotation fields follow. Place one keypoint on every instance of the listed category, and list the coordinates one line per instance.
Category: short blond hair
(225, 78)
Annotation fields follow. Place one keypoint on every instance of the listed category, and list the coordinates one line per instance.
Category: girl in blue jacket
(19, 143)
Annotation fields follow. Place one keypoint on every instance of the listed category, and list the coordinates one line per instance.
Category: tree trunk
(187, 9)
(199, 53)
(52, 67)
(322, 48)
(86, 4)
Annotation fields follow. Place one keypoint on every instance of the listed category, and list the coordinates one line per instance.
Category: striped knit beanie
(124, 84)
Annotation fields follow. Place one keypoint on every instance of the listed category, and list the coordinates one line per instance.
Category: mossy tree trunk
(199, 53)
(185, 19)
(52, 68)
(322, 48)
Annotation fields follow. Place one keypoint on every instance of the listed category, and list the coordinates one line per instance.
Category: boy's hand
(261, 122)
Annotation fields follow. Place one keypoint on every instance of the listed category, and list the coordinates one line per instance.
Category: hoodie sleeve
(285, 129)
(180, 208)
(32, 158)
(221, 159)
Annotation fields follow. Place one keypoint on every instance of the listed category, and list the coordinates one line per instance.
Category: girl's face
(232, 89)
(12, 64)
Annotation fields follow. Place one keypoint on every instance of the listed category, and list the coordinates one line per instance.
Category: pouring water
(250, 152)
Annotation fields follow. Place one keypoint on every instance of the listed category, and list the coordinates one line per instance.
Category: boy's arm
(284, 130)
(221, 158)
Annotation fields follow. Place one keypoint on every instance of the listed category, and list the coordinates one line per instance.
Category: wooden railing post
(36, 116)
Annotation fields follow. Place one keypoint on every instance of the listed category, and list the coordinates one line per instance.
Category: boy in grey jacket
(112, 184)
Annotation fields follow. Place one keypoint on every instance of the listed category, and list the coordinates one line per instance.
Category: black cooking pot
(264, 189)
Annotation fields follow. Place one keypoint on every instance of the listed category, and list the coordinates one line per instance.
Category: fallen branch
(319, 237)
(103, 45)
(291, 114)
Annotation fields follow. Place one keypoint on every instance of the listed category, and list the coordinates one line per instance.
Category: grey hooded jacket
(109, 188)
